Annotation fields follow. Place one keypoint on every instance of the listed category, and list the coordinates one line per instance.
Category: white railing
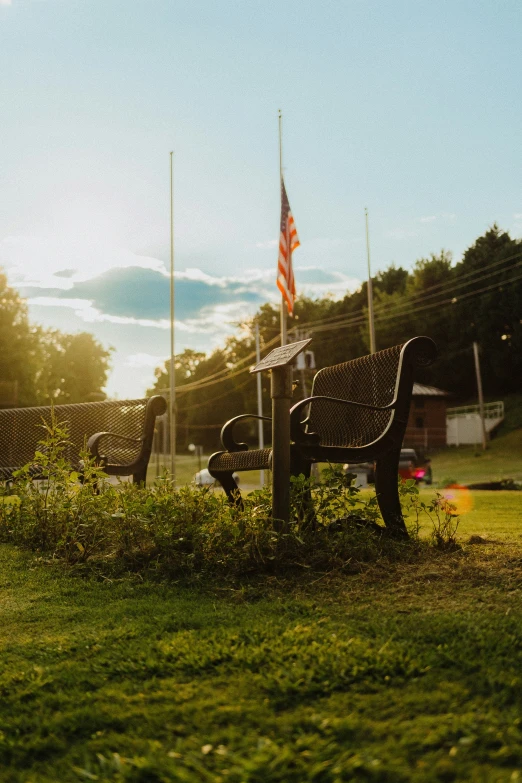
(492, 410)
(465, 426)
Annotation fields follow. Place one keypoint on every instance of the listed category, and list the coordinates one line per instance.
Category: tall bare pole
(172, 412)
(480, 397)
(284, 333)
(259, 403)
(370, 288)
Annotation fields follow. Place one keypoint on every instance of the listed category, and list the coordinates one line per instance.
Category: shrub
(189, 531)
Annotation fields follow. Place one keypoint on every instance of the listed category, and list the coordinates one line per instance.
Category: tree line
(477, 299)
(46, 365)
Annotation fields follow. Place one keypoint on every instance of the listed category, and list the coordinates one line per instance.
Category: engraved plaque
(282, 356)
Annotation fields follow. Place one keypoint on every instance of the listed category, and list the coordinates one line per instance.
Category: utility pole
(480, 397)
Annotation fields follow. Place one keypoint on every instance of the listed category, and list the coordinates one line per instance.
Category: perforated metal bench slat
(371, 380)
(257, 459)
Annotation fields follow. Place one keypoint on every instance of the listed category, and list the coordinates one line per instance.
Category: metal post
(260, 432)
(281, 393)
(480, 397)
(279, 361)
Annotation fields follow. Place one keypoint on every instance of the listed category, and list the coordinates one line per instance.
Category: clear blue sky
(410, 108)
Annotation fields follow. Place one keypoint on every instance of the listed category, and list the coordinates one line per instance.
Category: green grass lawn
(495, 515)
(466, 464)
(503, 459)
(406, 672)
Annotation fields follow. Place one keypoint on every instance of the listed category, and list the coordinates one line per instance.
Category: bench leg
(387, 490)
(228, 483)
(140, 477)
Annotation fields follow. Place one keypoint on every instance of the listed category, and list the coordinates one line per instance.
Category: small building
(426, 428)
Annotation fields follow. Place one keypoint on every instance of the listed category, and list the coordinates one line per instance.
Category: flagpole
(370, 288)
(172, 412)
(284, 335)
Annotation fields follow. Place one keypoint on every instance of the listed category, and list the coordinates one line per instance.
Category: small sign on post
(279, 361)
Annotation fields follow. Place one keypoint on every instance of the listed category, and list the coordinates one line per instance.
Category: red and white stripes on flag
(288, 241)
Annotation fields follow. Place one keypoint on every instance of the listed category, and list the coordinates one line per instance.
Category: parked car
(410, 467)
(364, 472)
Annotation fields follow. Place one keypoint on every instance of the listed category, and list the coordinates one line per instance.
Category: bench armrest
(227, 434)
(94, 441)
(296, 430)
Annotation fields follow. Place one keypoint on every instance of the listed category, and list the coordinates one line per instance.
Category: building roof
(419, 390)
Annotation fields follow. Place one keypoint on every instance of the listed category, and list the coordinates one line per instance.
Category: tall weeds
(188, 530)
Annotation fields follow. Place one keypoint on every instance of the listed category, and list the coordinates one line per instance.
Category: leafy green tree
(72, 368)
(47, 364)
(19, 343)
(494, 318)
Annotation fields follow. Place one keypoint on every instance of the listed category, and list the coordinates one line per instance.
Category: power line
(478, 274)
(212, 400)
(208, 379)
(443, 303)
(407, 305)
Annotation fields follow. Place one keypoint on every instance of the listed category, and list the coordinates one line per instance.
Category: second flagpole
(172, 379)
(284, 336)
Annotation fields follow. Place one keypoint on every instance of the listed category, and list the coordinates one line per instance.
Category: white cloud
(518, 215)
(198, 274)
(217, 320)
(54, 301)
(38, 261)
(5, 2)
(428, 219)
(138, 360)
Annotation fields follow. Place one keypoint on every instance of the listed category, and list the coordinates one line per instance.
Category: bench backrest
(377, 379)
(22, 428)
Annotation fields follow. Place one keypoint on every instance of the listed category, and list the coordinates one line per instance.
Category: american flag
(288, 241)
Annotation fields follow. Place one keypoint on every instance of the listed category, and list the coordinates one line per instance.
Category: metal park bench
(358, 411)
(117, 433)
